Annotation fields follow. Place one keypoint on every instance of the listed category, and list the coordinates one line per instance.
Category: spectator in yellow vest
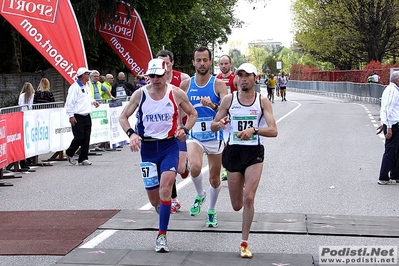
(109, 80)
(98, 90)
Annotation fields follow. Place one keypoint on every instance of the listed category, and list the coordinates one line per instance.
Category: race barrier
(46, 128)
(364, 92)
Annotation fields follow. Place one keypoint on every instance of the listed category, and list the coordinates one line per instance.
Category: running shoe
(71, 160)
(244, 251)
(85, 162)
(175, 206)
(211, 220)
(196, 207)
(161, 244)
(224, 175)
(387, 182)
(185, 174)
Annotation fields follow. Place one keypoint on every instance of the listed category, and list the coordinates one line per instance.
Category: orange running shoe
(245, 253)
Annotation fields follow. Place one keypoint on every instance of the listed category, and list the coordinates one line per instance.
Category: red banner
(51, 27)
(127, 37)
(11, 138)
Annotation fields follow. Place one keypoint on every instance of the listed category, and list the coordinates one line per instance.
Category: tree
(208, 24)
(257, 56)
(271, 63)
(347, 32)
(174, 24)
(237, 58)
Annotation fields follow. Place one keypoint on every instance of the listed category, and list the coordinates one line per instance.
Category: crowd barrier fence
(45, 128)
(365, 92)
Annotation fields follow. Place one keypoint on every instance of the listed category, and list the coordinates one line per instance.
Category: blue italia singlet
(202, 128)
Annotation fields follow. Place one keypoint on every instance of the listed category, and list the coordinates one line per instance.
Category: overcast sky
(270, 21)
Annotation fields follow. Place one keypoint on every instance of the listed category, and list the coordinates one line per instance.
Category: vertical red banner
(51, 27)
(127, 37)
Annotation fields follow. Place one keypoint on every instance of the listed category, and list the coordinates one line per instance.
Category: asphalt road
(325, 160)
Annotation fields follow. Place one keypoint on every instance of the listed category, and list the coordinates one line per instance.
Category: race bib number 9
(202, 129)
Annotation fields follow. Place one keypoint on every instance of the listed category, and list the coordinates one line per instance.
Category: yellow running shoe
(245, 253)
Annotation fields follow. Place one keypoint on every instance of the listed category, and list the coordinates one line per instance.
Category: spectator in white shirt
(26, 95)
(376, 78)
(78, 107)
(389, 115)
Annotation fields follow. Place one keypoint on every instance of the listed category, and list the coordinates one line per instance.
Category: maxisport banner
(127, 37)
(11, 138)
(51, 27)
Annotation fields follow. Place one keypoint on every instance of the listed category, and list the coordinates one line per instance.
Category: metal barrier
(37, 106)
(47, 105)
(367, 92)
(104, 101)
(13, 109)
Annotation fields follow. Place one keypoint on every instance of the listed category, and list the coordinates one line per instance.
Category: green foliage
(207, 23)
(237, 58)
(176, 25)
(258, 57)
(347, 33)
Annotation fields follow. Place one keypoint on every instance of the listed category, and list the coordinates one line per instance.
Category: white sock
(213, 196)
(198, 185)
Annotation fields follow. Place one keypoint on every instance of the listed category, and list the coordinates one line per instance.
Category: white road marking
(373, 121)
(98, 239)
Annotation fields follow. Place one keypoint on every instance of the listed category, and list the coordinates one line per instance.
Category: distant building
(264, 43)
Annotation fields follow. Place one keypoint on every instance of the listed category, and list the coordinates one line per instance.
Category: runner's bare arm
(220, 88)
(187, 108)
(221, 119)
(129, 110)
(271, 129)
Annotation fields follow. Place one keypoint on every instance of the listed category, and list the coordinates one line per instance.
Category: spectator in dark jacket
(122, 83)
(43, 93)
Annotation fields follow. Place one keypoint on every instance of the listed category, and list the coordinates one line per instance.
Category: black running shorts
(236, 158)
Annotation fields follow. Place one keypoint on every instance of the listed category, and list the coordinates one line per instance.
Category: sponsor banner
(36, 130)
(127, 37)
(60, 130)
(100, 124)
(48, 29)
(117, 136)
(11, 138)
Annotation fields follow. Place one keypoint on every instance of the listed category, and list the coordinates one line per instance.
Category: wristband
(130, 132)
(216, 107)
(185, 130)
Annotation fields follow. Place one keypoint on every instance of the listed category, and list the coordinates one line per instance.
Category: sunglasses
(158, 76)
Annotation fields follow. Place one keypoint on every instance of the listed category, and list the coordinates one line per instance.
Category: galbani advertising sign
(51, 27)
(127, 37)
